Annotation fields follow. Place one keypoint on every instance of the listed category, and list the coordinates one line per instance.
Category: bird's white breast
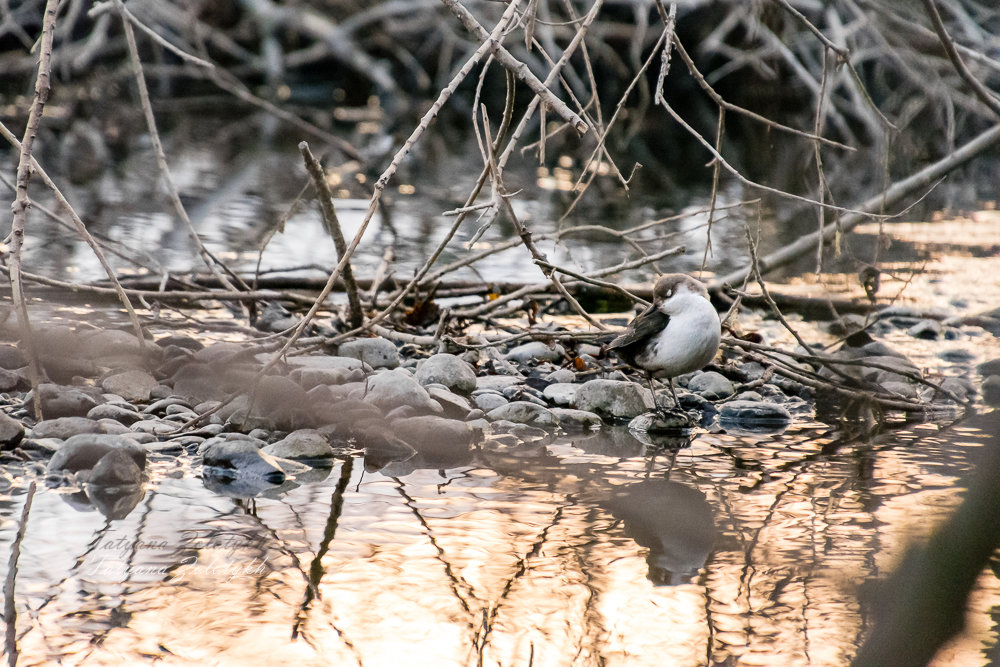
(688, 342)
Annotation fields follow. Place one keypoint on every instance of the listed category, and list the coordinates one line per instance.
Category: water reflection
(237, 186)
(551, 553)
(673, 521)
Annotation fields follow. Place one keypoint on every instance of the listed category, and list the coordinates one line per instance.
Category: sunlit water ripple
(589, 550)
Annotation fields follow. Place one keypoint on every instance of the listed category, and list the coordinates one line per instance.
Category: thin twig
(982, 92)
(211, 260)
(519, 69)
(21, 201)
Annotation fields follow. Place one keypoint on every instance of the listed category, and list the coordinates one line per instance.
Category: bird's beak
(648, 310)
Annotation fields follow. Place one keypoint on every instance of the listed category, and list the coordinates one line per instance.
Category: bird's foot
(668, 420)
(668, 412)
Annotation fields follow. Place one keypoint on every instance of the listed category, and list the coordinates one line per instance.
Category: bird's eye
(670, 293)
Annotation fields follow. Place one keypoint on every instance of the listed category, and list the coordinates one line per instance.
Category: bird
(678, 333)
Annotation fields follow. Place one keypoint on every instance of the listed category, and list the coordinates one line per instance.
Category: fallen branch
(332, 225)
(920, 180)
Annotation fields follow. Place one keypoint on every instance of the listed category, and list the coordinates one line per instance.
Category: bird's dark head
(671, 285)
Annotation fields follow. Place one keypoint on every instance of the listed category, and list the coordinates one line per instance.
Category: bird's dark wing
(646, 324)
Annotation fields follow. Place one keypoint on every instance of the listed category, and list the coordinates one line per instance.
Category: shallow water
(237, 187)
(738, 549)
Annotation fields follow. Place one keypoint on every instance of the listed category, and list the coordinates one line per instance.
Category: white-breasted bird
(678, 333)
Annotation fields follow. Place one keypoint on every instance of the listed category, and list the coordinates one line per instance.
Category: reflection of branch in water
(749, 544)
(119, 617)
(590, 613)
(455, 580)
(316, 570)
(56, 589)
(482, 636)
(9, 608)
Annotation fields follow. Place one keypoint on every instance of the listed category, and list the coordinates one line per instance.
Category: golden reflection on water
(736, 551)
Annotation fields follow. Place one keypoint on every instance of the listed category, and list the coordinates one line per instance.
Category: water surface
(585, 550)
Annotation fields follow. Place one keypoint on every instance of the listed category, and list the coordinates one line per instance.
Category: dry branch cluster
(611, 80)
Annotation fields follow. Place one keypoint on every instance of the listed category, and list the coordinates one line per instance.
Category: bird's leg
(670, 383)
(649, 379)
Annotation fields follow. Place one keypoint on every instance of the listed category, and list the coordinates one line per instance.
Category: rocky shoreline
(112, 402)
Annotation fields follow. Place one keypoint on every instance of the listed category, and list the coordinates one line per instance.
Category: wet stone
(752, 371)
(711, 385)
(9, 380)
(82, 452)
(847, 324)
(455, 406)
(524, 412)
(524, 393)
(65, 401)
(960, 387)
(155, 427)
(397, 387)
(66, 427)
(792, 388)
(432, 435)
(897, 366)
(402, 412)
(313, 377)
(182, 341)
(231, 437)
(561, 375)
(991, 390)
(952, 333)
(753, 413)
(325, 362)
(577, 420)
(104, 343)
(489, 400)
(183, 441)
(448, 370)
(562, 394)
(663, 422)
(613, 399)
(376, 352)
(116, 412)
(301, 444)
(229, 458)
(116, 468)
(194, 383)
(47, 446)
(926, 329)
(536, 351)
(278, 402)
(11, 432)
(898, 388)
(132, 385)
(688, 401)
(524, 433)
(497, 382)
(11, 357)
(991, 367)
(160, 406)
